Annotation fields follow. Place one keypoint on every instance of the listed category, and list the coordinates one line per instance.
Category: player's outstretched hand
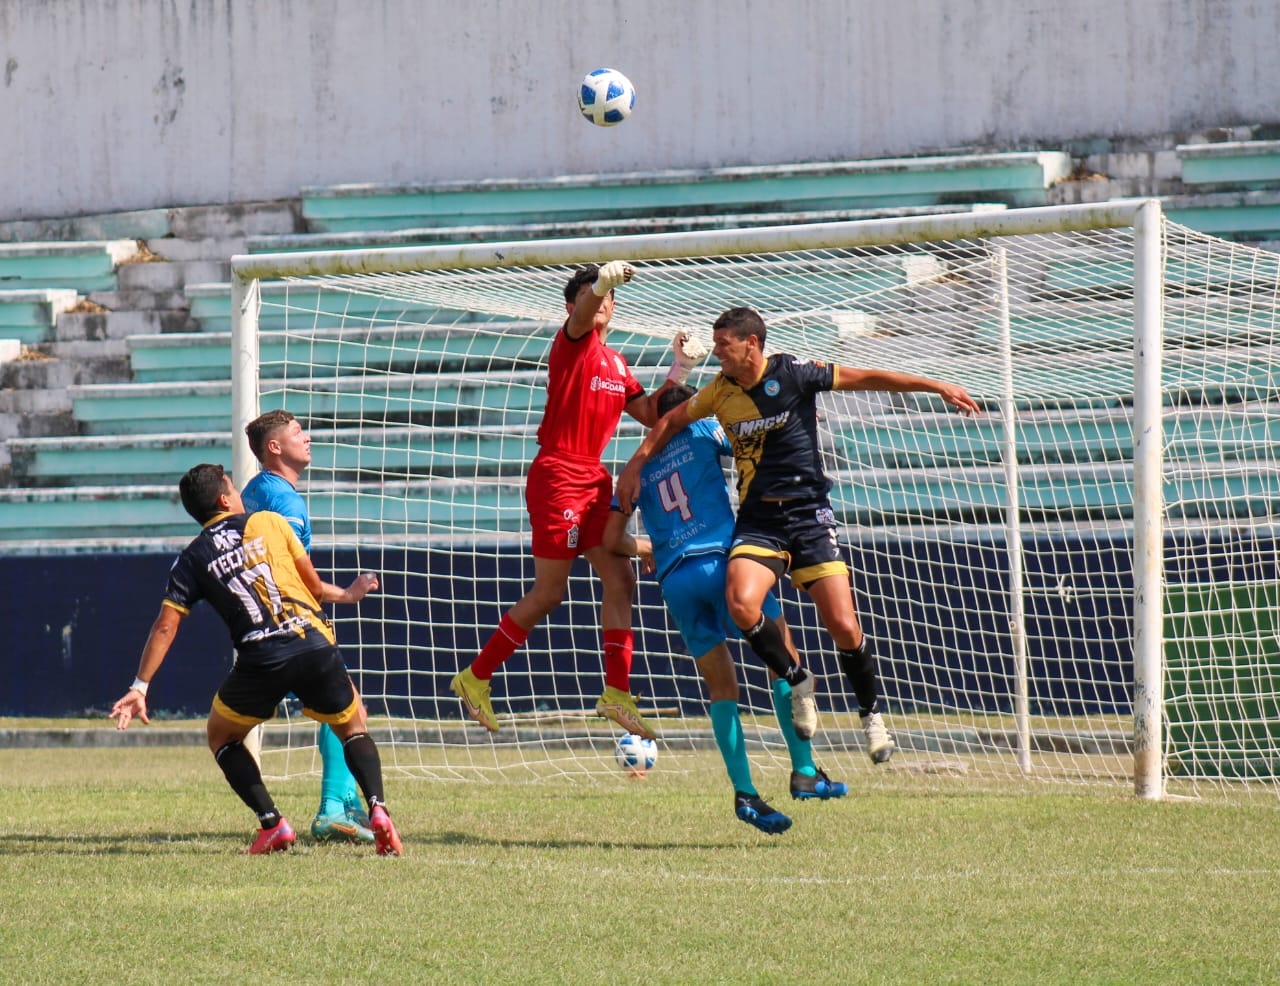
(365, 583)
(688, 353)
(612, 274)
(959, 398)
(644, 552)
(132, 705)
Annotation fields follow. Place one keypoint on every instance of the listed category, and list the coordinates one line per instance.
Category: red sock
(617, 659)
(499, 647)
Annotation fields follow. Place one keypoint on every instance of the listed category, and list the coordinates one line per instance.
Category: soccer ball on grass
(606, 97)
(635, 754)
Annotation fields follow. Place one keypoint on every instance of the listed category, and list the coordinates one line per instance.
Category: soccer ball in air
(606, 97)
(635, 754)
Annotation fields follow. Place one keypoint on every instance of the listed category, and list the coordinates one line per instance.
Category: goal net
(1080, 584)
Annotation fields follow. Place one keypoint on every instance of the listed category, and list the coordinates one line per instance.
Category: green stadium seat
(1014, 179)
(1237, 164)
(83, 267)
(31, 316)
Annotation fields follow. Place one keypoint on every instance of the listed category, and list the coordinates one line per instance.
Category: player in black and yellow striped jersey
(256, 574)
(768, 408)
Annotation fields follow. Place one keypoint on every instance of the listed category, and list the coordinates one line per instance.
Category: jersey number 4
(671, 493)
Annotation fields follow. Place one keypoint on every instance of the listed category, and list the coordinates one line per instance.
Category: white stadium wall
(127, 104)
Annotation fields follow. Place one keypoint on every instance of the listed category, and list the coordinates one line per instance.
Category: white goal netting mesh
(992, 556)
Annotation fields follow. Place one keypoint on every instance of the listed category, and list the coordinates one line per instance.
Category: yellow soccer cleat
(475, 698)
(617, 705)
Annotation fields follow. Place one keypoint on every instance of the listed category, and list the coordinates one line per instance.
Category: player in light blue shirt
(269, 491)
(284, 450)
(688, 519)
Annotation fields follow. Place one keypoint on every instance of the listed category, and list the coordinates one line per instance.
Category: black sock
(361, 754)
(859, 668)
(242, 773)
(766, 640)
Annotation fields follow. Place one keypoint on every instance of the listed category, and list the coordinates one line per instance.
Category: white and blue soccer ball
(606, 97)
(635, 754)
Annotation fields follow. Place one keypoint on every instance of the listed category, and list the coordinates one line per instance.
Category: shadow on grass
(471, 839)
(217, 843)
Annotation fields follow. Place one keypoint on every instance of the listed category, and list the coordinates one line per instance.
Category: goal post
(1009, 569)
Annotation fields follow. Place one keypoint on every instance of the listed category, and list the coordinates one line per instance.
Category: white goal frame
(1142, 216)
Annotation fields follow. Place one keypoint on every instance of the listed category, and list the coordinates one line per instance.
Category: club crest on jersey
(771, 387)
(620, 366)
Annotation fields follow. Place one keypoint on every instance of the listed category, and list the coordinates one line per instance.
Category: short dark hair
(261, 428)
(200, 489)
(673, 397)
(581, 276)
(742, 322)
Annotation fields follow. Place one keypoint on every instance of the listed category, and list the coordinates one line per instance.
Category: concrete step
(138, 300)
(36, 403)
(170, 276)
(121, 324)
(185, 222)
(57, 374)
(74, 349)
(19, 424)
(239, 219)
(215, 248)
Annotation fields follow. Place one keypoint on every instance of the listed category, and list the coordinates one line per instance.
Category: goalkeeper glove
(612, 274)
(689, 352)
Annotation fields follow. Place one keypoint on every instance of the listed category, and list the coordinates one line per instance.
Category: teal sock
(801, 750)
(337, 785)
(727, 725)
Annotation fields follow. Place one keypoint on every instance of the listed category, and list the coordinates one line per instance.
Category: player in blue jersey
(283, 448)
(689, 522)
(768, 408)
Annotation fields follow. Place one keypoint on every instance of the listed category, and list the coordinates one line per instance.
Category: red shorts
(568, 502)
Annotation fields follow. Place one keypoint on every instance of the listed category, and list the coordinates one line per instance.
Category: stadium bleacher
(117, 438)
(1015, 179)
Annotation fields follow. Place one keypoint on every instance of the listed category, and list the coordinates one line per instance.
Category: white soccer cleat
(804, 708)
(880, 744)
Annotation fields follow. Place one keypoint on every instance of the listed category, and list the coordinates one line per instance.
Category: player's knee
(743, 609)
(220, 732)
(357, 723)
(619, 576)
(543, 600)
(626, 580)
(846, 633)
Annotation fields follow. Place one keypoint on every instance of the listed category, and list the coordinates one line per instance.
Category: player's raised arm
(588, 304)
(686, 353)
(361, 586)
(854, 378)
(133, 703)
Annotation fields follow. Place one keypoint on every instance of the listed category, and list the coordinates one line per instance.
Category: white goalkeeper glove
(610, 275)
(689, 352)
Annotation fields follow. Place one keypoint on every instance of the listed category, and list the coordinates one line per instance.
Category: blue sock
(801, 750)
(337, 785)
(727, 725)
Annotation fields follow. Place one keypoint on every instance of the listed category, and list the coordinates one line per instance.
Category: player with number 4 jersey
(689, 522)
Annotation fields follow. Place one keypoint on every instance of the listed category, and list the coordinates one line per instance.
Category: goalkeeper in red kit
(568, 492)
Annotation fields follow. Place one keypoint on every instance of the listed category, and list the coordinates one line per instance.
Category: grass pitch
(124, 866)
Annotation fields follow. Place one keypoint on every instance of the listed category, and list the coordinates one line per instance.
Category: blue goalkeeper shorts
(694, 594)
